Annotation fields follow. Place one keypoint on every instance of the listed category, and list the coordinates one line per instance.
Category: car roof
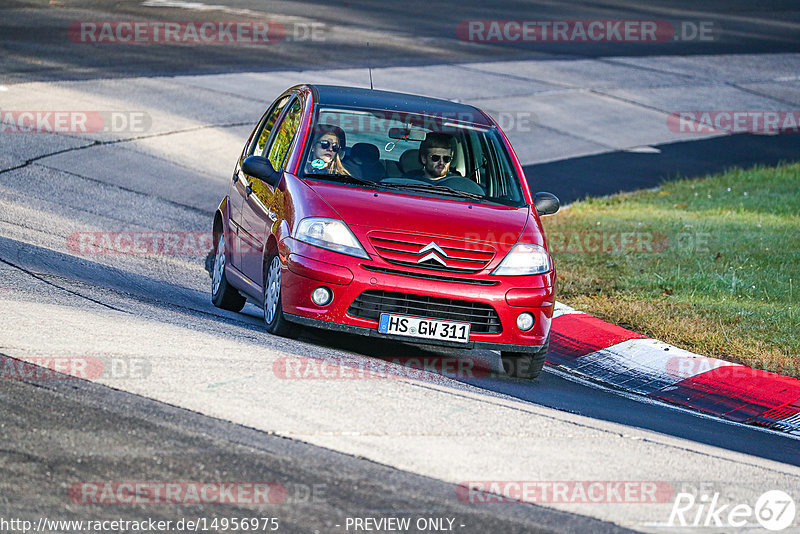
(349, 97)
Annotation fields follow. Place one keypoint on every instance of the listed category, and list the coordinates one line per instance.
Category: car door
(245, 242)
(262, 203)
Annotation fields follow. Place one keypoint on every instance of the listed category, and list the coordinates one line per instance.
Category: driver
(436, 154)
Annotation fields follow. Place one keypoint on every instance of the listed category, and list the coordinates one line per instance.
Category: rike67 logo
(774, 510)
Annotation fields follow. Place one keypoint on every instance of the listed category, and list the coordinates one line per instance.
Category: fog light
(322, 296)
(524, 321)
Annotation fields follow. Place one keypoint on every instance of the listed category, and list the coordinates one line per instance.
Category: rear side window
(258, 147)
(283, 139)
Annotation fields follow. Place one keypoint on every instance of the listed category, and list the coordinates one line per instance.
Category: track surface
(209, 406)
(399, 33)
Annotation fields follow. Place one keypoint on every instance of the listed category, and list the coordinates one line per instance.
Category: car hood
(399, 212)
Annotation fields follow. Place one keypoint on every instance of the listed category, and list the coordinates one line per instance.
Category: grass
(710, 265)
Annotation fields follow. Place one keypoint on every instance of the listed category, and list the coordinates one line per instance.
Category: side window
(260, 144)
(282, 139)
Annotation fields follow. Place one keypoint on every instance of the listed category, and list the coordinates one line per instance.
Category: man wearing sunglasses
(435, 154)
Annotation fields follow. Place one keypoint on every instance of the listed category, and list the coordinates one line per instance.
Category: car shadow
(558, 391)
(50, 265)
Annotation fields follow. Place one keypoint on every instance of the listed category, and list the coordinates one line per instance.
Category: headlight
(330, 234)
(524, 259)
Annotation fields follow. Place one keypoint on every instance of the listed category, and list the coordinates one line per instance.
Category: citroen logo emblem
(435, 253)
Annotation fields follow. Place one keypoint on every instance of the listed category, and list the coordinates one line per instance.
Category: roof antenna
(370, 74)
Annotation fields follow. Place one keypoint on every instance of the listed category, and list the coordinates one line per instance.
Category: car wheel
(525, 364)
(273, 308)
(222, 294)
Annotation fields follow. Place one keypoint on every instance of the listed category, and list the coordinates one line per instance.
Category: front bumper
(306, 267)
(372, 332)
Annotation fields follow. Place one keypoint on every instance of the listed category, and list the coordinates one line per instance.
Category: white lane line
(643, 150)
(199, 6)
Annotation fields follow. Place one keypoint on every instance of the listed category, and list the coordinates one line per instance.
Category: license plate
(406, 325)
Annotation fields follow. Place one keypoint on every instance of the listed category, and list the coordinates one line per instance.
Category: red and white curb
(612, 355)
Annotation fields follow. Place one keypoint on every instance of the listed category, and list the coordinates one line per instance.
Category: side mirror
(260, 167)
(546, 203)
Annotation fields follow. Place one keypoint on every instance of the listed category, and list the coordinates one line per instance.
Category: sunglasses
(327, 144)
(435, 158)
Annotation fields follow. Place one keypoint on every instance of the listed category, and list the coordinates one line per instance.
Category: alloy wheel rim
(219, 266)
(273, 290)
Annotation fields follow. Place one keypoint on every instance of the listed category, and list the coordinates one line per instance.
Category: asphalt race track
(400, 33)
(186, 393)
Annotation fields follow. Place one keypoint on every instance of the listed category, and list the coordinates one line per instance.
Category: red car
(387, 215)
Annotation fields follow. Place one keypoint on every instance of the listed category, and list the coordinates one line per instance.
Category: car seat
(364, 162)
(409, 161)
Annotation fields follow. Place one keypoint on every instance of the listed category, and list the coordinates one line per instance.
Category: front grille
(456, 256)
(482, 317)
(430, 276)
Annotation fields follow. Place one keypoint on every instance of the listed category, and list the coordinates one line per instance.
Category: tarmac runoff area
(551, 110)
(156, 307)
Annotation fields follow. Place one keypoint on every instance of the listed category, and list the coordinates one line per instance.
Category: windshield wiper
(436, 189)
(420, 186)
(342, 178)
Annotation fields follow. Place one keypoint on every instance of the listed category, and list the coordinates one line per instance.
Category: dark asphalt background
(35, 46)
(605, 174)
(55, 433)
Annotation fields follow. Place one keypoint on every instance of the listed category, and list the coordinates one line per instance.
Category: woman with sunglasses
(329, 143)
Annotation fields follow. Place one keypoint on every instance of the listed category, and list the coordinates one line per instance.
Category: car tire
(273, 307)
(526, 365)
(222, 294)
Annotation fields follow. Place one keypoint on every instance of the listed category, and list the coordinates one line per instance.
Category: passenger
(329, 143)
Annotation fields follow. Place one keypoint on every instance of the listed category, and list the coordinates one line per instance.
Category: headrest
(364, 152)
(409, 161)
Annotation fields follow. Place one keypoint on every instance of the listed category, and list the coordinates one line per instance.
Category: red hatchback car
(389, 215)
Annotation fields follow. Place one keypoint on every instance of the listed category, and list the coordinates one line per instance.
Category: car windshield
(416, 154)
